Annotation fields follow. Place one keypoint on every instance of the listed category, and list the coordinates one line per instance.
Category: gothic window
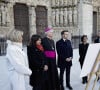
(64, 13)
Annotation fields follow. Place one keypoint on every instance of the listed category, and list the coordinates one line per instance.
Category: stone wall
(77, 30)
(7, 14)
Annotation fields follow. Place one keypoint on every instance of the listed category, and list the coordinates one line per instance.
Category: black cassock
(53, 79)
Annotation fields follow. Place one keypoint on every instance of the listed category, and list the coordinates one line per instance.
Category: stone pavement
(75, 75)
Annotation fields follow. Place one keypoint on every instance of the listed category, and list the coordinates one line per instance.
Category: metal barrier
(3, 45)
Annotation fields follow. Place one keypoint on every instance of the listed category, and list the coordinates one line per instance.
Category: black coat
(97, 40)
(82, 52)
(64, 50)
(37, 61)
(48, 44)
(52, 68)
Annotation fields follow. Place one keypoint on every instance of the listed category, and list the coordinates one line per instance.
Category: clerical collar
(49, 38)
(64, 39)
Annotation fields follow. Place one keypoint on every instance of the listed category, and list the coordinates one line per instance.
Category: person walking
(65, 55)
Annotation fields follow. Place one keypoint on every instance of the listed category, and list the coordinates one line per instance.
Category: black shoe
(69, 87)
(61, 87)
(83, 82)
(86, 81)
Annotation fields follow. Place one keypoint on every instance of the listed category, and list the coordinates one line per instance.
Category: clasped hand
(69, 59)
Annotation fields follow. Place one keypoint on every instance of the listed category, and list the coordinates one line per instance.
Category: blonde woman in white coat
(16, 61)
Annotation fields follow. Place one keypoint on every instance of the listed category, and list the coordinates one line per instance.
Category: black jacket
(48, 44)
(82, 52)
(36, 58)
(97, 40)
(64, 50)
(37, 61)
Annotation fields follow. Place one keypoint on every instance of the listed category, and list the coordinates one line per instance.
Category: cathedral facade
(33, 16)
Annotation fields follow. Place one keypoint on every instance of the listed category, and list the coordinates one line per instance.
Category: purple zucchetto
(48, 29)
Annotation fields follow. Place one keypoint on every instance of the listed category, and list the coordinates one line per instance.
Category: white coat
(17, 66)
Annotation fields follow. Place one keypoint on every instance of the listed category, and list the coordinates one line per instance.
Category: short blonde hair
(14, 35)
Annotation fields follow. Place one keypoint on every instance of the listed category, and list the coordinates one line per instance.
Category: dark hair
(33, 40)
(83, 37)
(63, 32)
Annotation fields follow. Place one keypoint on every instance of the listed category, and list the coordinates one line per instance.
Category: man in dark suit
(65, 55)
(97, 40)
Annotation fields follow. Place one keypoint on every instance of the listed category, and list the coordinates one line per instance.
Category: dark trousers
(42, 86)
(53, 77)
(40, 80)
(38, 87)
(62, 69)
(84, 79)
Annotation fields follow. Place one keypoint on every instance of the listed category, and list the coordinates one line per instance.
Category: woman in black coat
(37, 63)
(82, 52)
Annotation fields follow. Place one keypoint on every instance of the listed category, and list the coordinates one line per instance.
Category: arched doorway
(21, 20)
(41, 19)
